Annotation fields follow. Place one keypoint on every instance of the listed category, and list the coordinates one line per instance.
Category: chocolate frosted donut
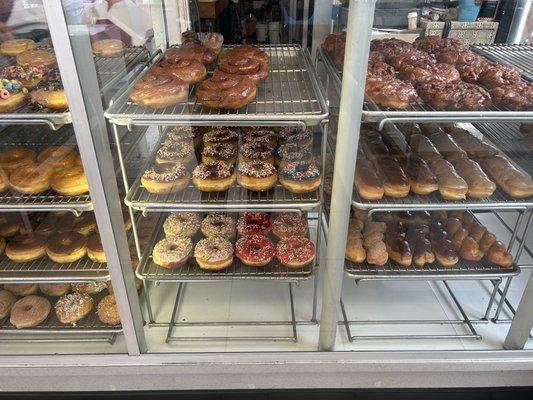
(218, 224)
(24, 248)
(300, 176)
(165, 178)
(66, 247)
(518, 96)
(214, 170)
(184, 224)
(219, 152)
(221, 135)
(180, 134)
(499, 75)
(260, 136)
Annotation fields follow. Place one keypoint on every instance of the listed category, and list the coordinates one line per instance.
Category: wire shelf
(191, 272)
(333, 72)
(110, 70)
(519, 56)
(292, 92)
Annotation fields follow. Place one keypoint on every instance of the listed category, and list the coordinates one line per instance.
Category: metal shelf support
(360, 19)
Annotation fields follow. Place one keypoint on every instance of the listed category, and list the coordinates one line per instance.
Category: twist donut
(244, 51)
(254, 69)
(159, 91)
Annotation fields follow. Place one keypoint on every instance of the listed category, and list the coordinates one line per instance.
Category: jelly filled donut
(25, 248)
(159, 91)
(215, 253)
(255, 250)
(172, 252)
(165, 178)
(72, 307)
(257, 176)
(300, 176)
(253, 223)
(289, 225)
(226, 91)
(184, 224)
(29, 311)
(218, 225)
(213, 177)
(295, 252)
(66, 247)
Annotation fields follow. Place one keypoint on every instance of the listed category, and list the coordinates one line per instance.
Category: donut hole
(172, 247)
(27, 308)
(66, 241)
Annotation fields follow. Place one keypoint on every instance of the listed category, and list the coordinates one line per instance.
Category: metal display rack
(111, 69)
(514, 55)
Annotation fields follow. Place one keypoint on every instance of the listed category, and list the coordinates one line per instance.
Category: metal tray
(292, 92)
(191, 272)
(519, 56)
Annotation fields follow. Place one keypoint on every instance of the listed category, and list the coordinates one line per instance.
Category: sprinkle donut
(291, 134)
(213, 177)
(300, 177)
(257, 175)
(218, 224)
(254, 223)
(215, 253)
(177, 153)
(289, 225)
(255, 250)
(295, 252)
(184, 224)
(172, 252)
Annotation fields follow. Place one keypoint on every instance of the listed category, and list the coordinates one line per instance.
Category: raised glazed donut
(25, 248)
(159, 91)
(189, 71)
(218, 224)
(37, 57)
(72, 307)
(52, 97)
(70, 181)
(289, 225)
(11, 160)
(108, 48)
(255, 250)
(31, 178)
(29, 311)
(300, 177)
(107, 310)
(58, 157)
(184, 224)
(172, 252)
(295, 252)
(253, 223)
(55, 289)
(21, 289)
(226, 91)
(15, 47)
(213, 177)
(66, 247)
(165, 178)
(215, 253)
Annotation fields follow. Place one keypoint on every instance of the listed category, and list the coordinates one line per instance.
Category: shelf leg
(496, 285)
(522, 322)
(181, 285)
(463, 313)
(346, 321)
(148, 302)
(293, 315)
(503, 299)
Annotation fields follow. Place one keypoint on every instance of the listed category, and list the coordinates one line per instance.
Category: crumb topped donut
(213, 177)
(218, 224)
(257, 176)
(29, 311)
(255, 250)
(300, 176)
(215, 253)
(295, 252)
(165, 178)
(254, 223)
(172, 252)
(72, 307)
(177, 153)
(289, 225)
(184, 224)
(225, 152)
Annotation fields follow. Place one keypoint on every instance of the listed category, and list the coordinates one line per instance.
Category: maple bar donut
(219, 152)
(107, 310)
(165, 178)
(289, 225)
(58, 157)
(7, 300)
(257, 176)
(184, 224)
(295, 252)
(12, 95)
(70, 181)
(221, 135)
(218, 225)
(159, 91)
(31, 178)
(37, 57)
(244, 51)
(14, 47)
(89, 287)
(300, 177)
(290, 152)
(255, 70)
(95, 250)
(189, 71)
(55, 289)
(226, 92)
(255, 250)
(66, 247)
(291, 134)
(256, 151)
(191, 50)
(213, 177)
(172, 252)
(29, 311)
(25, 248)
(214, 253)
(72, 307)
(254, 223)
(108, 48)
(260, 136)
(176, 153)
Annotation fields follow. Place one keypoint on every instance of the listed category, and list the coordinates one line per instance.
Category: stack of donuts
(57, 167)
(34, 78)
(216, 250)
(254, 157)
(26, 307)
(423, 238)
(430, 158)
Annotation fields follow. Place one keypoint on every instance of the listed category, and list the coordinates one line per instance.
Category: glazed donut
(25, 248)
(260, 136)
(37, 57)
(226, 91)
(72, 307)
(15, 47)
(219, 152)
(255, 151)
(254, 223)
(55, 289)
(218, 225)
(518, 96)
(213, 177)
(107, 310)
(420, 73)
(159, 91)
(189, 71)
(108, 48)
(70, 181)
(66, 247)
(213, 41)
(28, 76)
(176, 153)
(7, 299)
(255, 250)
(221, 136)
(253, 69)
(52, 98)
(172, 252)
(89, 287)
(58, 157)
(31, 178)
(29, 311)
(191, 50)
(290, 152)
(300, 177)
(21, 289)
(95, 250)
(214, 253)
(12, 95)
(291, 134)
(10, 225)
(184, 224)
(4, 180)
(295, 252)
(257, 176)
(289, 225)
(244, 51)
(165, 178)
(499, 75)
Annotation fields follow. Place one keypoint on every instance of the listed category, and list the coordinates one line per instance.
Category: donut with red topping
(255, 250)
(295, 252)
(289, 225)
(254, 223)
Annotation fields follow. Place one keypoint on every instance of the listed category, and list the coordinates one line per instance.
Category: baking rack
(89, 329)
(292, 92)
(519, 56)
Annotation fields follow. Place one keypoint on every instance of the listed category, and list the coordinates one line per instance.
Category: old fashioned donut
(72, 307)
(28, 76)
(257, 176)
(7, 300)
(70, 181)
(191, 50)
(255, 250)
(58, 157)
(255, 151)
(172, 252)
(37, 57)
(21, 289)
(300, 176)
(66, 247)
(89, 287)
(11, 160)
(218, 224)
(12, 95)
(177, 153)
(254, 223)
(244, 51)
(189, 71)
(159, 91)
(55, 289)
(14, 47)
(289, 225)
(25, 248)
(219, 152)
(95, 250)
(226, 91)
(214, 253)
(213, 177)
(295, 252)
(184, 224)
(255, 70)
(29, 311)
(107, 310)
(108, 48)
(31, 178)
(165, 178)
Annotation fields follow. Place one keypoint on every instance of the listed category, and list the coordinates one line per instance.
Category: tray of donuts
(58, 306)
(193, 246)
(259, 160)
(418, 161)
(426, 242)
